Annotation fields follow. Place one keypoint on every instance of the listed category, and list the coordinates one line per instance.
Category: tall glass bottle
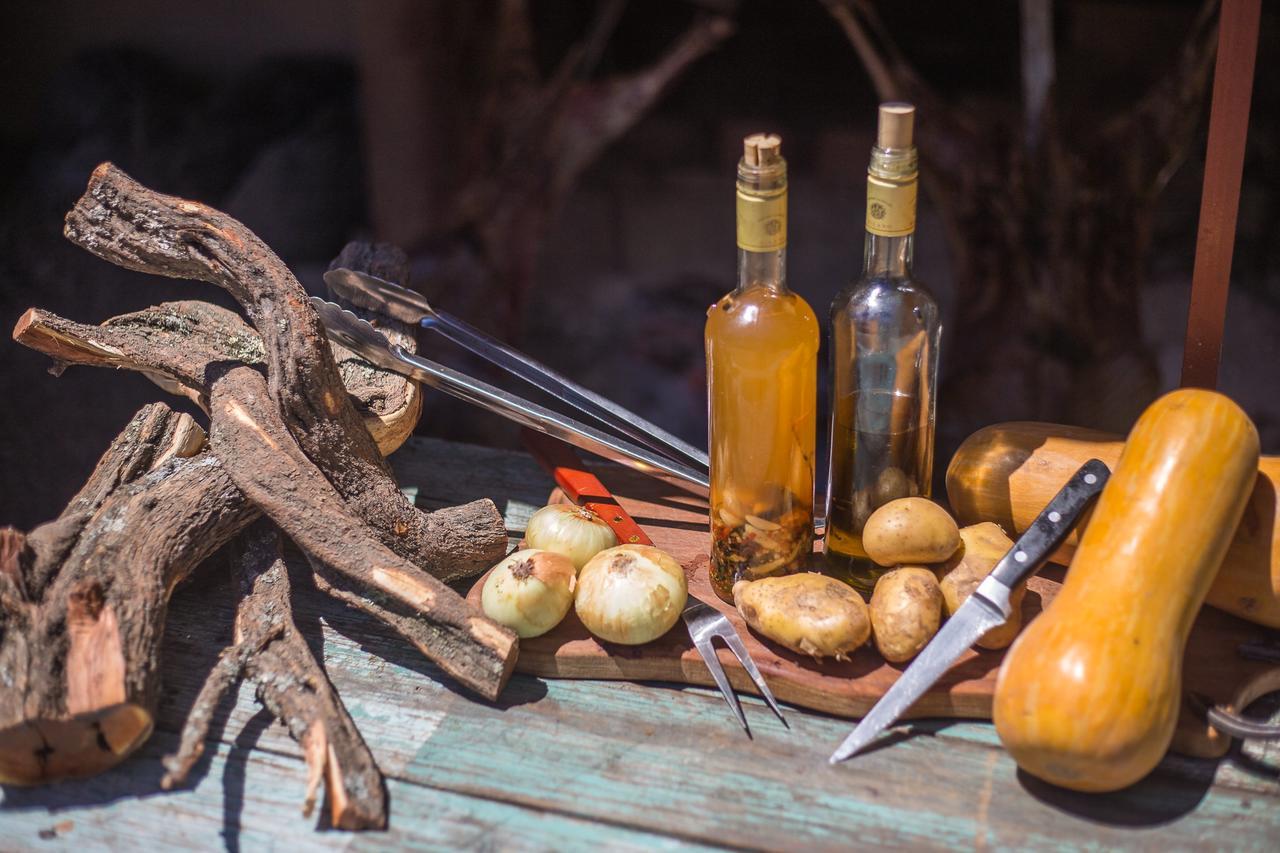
(762, 352)
(885, 331)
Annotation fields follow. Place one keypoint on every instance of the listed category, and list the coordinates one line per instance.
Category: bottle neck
(888, 257)
(762, 269)
(892, 179)
(762, 225)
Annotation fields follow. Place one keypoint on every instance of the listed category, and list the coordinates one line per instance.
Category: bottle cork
(762, 149)
(897, 122)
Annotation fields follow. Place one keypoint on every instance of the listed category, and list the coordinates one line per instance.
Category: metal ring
(1237, 726)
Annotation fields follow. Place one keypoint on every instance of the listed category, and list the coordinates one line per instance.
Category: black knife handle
(1052, 525)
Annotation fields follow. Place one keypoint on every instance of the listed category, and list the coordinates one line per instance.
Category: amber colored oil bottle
(762, 353)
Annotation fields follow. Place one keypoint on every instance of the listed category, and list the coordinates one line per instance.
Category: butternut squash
(1088, 696)
(1006, 473)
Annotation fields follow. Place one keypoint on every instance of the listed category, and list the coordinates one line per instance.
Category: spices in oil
(762, 348)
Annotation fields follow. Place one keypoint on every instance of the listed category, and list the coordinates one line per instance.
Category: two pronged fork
(704, 622)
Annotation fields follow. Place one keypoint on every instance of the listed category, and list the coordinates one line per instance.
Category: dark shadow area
(1161, 798)
(233, 777)
(905, 731)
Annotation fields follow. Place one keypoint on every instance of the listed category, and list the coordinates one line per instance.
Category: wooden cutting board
(677, 523)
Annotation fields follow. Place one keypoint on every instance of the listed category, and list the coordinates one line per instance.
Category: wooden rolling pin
(1008, 472)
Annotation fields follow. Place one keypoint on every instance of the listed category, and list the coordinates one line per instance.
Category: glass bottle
(762, 353)
(885, 331)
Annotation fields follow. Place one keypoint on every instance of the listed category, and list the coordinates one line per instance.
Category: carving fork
(704, 622)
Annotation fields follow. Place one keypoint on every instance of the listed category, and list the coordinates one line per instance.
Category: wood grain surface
(677, 524)
(574, 765)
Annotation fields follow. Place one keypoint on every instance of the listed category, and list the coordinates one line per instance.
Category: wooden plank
(1220, 199)
(248, 798)
(569, 765)
(608, 751)
(677, 523)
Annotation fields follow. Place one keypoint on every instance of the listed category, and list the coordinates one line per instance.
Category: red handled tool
(703, 621)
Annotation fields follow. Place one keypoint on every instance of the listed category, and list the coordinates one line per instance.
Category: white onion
(530, 591)
(574, 531)
(631, 594)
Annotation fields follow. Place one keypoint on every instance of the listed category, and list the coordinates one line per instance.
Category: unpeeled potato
(807, 613)
(910, 530)
(906, 610)
(982, 547)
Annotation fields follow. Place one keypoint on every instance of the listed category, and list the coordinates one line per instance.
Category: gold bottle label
(762, 221)
(891, 207)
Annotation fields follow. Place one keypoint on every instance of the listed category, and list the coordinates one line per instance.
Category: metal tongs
(654, 451)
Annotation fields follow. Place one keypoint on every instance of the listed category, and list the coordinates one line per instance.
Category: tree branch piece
(81, 664)
(292, 685)
(134, 227)
(248, 433)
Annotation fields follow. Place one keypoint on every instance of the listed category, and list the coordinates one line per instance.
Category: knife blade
(988, 607)
(409, 306)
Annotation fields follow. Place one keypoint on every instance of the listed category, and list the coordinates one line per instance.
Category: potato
(982, 547)
(906, 610)
(910, 530)
(891, 485)
(808, 613)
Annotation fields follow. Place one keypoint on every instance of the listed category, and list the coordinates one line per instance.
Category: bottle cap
(897, 125)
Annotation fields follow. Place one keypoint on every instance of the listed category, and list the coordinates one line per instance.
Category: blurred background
(561, 173)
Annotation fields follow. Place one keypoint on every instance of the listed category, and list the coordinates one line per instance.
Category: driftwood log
(137, 228)
(83, 599)
(290, 682)
(292, 437)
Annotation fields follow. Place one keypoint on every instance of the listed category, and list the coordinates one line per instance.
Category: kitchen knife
(988, 607)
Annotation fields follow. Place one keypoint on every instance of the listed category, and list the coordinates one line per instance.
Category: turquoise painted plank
(563, 721)
(246, 797)
(402, 712)
(572, 765)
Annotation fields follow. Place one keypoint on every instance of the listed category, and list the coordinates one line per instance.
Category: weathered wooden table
(567, 765)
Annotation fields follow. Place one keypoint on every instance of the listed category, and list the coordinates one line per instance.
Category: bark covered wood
(80, 635)
(192, 344)
(248, 432)
(390, 403)
(137, 228)
(269, 650)
(89, 590)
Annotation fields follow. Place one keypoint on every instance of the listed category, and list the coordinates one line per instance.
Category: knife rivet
(634, 538)
(1091, 478)
(617, 519)
(1020, 556)
(1055, 516)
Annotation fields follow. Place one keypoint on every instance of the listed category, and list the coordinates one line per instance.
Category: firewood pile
(295, 444)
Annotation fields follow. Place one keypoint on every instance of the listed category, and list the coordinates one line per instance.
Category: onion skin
(529, 592)
(574, 531)
(631, 594)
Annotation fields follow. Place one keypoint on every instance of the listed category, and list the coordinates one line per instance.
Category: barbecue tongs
(662, 455)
